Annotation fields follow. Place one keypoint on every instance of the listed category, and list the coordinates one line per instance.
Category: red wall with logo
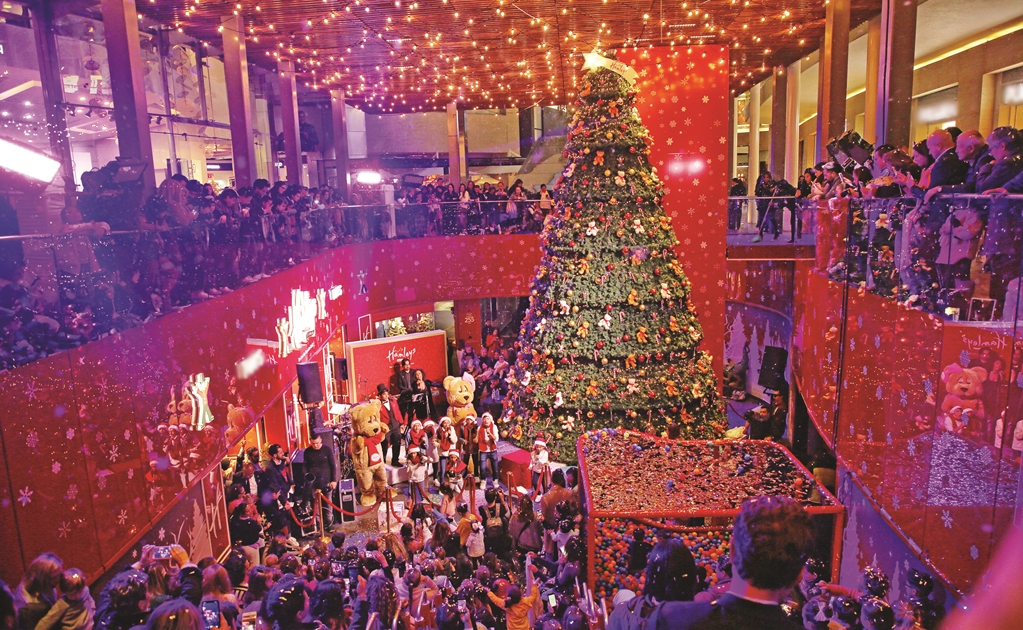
(374, 362)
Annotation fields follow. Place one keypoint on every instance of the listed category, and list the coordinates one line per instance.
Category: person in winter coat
(75, 609)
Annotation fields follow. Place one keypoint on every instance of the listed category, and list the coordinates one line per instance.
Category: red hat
(540, 441)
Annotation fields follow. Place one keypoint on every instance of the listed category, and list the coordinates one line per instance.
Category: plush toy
(460, 392)
(965, 387)
(367, 456)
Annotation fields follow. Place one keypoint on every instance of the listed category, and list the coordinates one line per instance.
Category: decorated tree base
(610, 338)
(631, 479)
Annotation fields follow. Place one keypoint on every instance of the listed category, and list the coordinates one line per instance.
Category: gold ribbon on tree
(594, 60)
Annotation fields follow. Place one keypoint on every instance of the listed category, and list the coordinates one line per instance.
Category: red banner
(683, 101)
(375, 361)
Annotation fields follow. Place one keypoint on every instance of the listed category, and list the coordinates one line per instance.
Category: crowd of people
(454, 576)
(486, 209)
(114, 268)
(916, 228)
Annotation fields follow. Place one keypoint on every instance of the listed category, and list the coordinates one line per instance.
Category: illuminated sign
(1013, 94)
(295, 330)
(251, 364)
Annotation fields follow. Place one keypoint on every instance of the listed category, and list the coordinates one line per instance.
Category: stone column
(337, 111)
(754, 151)
(894, 100)
(792, 166)
(239, 105)
(779, 122)
(289, 122)
(834, 72)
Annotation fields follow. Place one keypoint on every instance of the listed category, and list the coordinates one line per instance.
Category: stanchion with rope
(306, 524)
(544, 480)
(472, 495)
(346, 512)
(426, 497)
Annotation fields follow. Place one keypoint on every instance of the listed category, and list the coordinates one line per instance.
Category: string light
(420, 45)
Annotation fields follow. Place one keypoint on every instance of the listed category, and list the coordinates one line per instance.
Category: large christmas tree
(610, 338)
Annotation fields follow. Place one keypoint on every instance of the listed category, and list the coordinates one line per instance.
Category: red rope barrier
(343, 511)
(316, 508)
(426, 497)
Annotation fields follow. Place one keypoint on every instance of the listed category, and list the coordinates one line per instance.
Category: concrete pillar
(239, 107)
(53, 92)
(337, 111)
(457, 172)
(873, 76)
(894, 100)
(289, 122)
(834, 72)
(753, 172)
(121, 30)
(792, 169)
(779, 122)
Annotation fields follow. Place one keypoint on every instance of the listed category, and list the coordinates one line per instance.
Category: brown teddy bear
(965, 387)
(460, 392)
(367, 455)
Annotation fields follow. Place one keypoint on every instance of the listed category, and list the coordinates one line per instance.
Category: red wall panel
(683, 101)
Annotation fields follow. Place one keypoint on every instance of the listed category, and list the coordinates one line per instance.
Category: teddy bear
(460, 392)
(238, 420)
(965, 387)
(367, 455)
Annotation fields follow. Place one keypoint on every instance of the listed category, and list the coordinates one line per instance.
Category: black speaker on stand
(310, 392)
(772, 369)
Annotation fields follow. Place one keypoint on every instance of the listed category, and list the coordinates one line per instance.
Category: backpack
(492, 521)
(640, 614)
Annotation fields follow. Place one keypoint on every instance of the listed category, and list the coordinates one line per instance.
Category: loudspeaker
(346, 488)
(309, 390)
(340, 369)
(772, 368)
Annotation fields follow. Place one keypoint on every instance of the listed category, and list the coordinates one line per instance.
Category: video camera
(849, 149)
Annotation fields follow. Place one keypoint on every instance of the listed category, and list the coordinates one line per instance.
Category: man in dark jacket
(319, 461)
(391, 416)
(769, 541)
(973, 150)
(948, 169)
(124, 601)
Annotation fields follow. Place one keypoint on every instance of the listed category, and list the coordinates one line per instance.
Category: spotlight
(28, 163)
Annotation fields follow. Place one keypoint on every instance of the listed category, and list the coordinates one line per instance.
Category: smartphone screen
(161, 553)
(337, 569)
(249, 621)
(552, 599)
(461, 605)
(211, 614)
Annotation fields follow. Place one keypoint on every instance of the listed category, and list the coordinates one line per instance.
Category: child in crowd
(538, 460)
(454, 472)
(416, 468)
(75, 609)
(638, 550)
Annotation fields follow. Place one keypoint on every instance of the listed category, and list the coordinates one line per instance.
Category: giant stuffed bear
(965, 387)
(367, 455)
(460, 392)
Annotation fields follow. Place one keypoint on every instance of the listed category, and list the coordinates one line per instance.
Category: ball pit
(613, 536)
(632, 479)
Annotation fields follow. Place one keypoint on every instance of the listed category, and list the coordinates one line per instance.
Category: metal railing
(89, 282)
(770, 220)
(958, 256)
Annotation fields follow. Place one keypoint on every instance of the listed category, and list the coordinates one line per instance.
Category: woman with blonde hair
(216, 586)
(37, 591)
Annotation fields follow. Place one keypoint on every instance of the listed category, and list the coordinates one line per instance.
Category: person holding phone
(515, 606)
(218, 595)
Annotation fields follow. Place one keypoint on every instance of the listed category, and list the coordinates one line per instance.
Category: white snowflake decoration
(32, 439)
(72, 492)
(55, 467)
(946, 518)
(25, 496)
(64, 529)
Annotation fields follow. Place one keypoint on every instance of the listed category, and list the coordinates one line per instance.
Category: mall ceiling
(419, 55)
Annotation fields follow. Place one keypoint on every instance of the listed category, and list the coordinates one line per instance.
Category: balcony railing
(957, 256)
(771, 220)
(87, 282)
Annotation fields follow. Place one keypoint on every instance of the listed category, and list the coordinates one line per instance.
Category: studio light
(369, 177)
(21, 160)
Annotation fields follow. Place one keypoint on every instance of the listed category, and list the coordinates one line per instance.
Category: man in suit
(391, 415)
(405, 388)
(769, 542)
(248, 479)
(973, 150)
(948, 169)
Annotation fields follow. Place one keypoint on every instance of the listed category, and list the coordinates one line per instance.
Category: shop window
(1010, 98)
(937, 110)
(21, 93)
